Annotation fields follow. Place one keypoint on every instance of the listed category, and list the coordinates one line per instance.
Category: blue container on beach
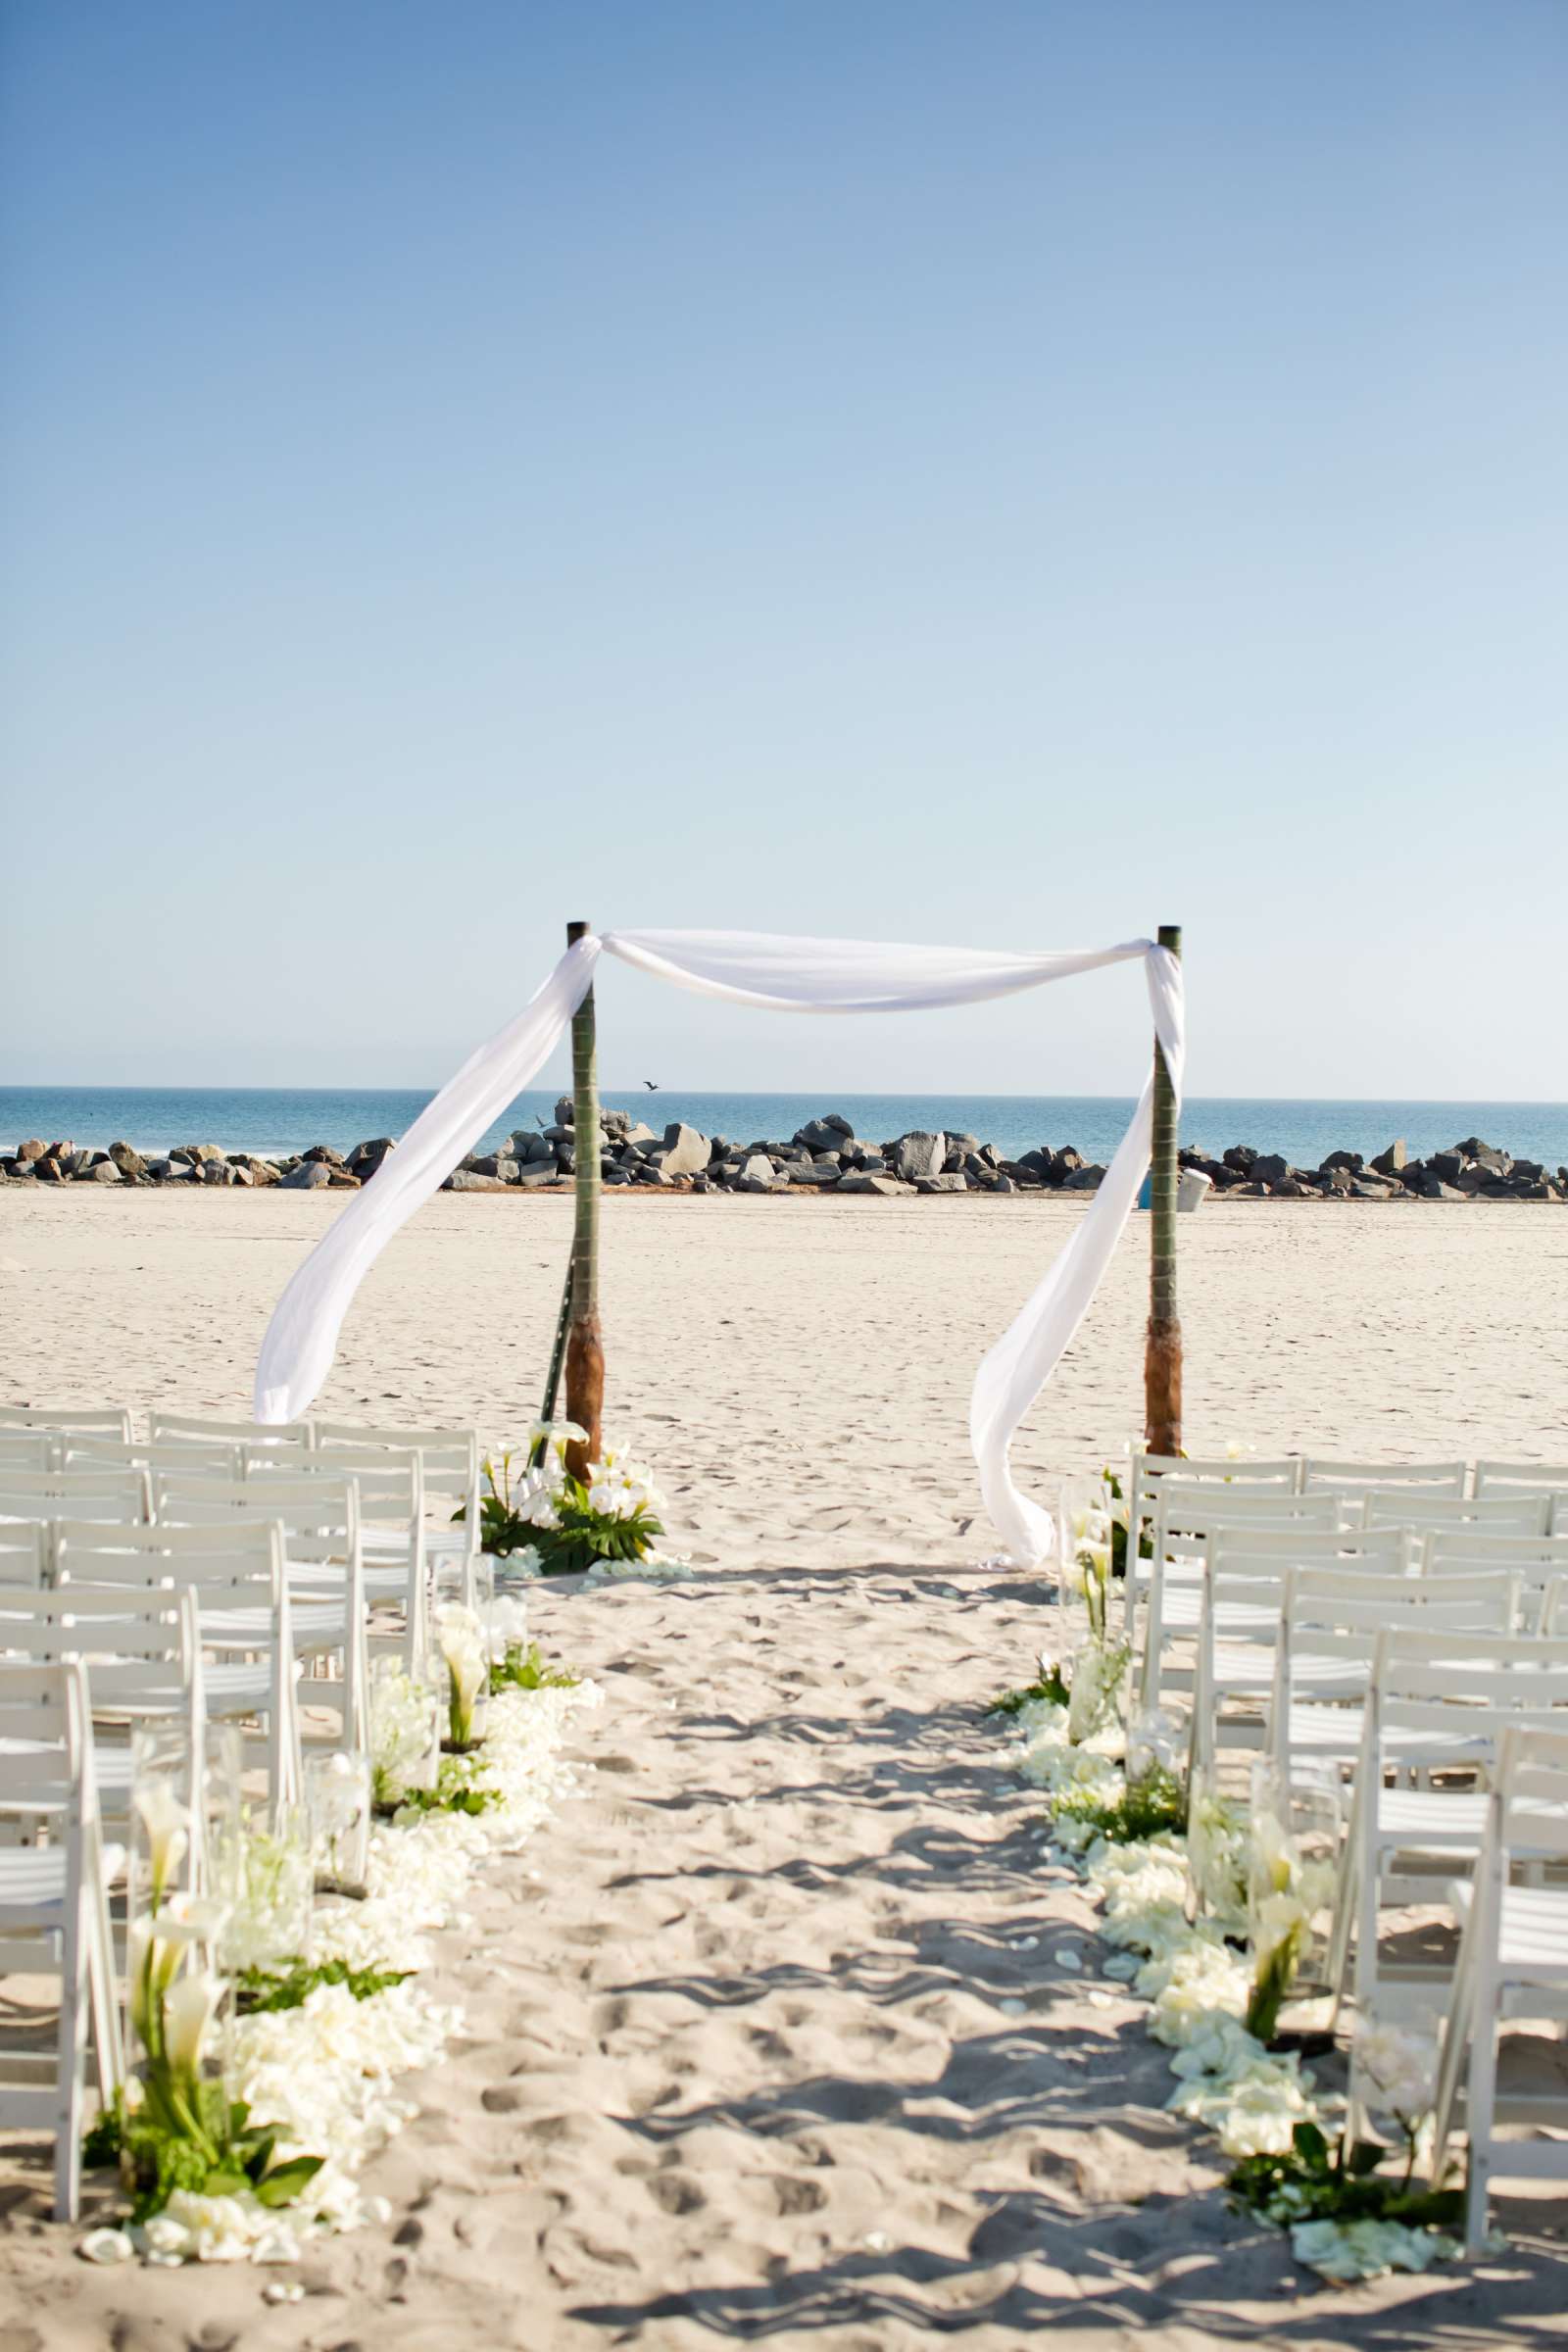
(1146, 1196)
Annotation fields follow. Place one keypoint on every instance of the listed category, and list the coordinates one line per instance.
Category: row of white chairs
(1401, 1656)
(189, 1576)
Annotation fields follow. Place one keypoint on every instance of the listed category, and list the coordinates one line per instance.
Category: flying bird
(652, 1085)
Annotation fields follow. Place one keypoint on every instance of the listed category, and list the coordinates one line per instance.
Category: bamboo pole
(558, 1354)
(585, 1353)
(1162, 1353)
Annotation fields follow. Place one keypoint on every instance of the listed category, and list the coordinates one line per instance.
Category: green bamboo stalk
(585, 1354)
(1162, 1355)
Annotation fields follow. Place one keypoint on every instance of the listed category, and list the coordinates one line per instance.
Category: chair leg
(1478, 2115)
(108, 2041)
(1456, 2051)
(71, 2058)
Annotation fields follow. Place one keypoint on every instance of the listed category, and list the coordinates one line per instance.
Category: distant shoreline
(824, 1154)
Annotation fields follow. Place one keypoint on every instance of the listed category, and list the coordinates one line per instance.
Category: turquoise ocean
(279, 1119)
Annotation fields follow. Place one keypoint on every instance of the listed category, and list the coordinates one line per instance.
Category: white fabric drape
(780, 974)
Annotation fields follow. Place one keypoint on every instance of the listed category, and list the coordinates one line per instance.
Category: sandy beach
(736, 2065)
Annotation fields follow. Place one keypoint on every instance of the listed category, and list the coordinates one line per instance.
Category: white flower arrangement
(1199, 1987)
(324, 2074)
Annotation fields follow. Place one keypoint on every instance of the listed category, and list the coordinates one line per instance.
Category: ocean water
(279, 1119)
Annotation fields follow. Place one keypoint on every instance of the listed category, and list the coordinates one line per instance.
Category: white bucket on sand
(1191, 1187)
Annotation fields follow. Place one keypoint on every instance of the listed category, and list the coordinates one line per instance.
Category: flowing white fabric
(301, 1340)
(785, 975)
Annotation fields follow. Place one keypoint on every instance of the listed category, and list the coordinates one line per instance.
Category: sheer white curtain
(779, 974)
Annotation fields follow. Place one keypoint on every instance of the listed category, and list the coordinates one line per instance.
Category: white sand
(736, 2066)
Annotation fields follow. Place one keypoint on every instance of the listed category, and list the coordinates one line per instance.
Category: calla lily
(166, 1822)
(188, 2011)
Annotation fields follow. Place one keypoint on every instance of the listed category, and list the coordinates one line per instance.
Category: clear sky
(976, 470)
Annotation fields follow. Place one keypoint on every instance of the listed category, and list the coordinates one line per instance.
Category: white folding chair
(1538, 1561)
(389, 1483)
(1514, 1514)
(1442, 1700)
(1146, 1473)
(26, 1550)
(144, 1453)
(1186, 1520)
(1356, 1480)
(54, 1916)
(26, 1453)
(450, 1467)
(1505, 1478)
(318, 1520)
(245, 1623)
(1333, 1618)
(197, 1430)
(114, 1497)
(68, 1420)
(1513, 1963)
(142, 1652)
(1247, 1580)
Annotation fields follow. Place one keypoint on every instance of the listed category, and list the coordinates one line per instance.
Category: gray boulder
(469, 1180)
(128, 1161)
(884, 1187)
(830, 1132)
(1084, 1180)
(1270, 1168)
(918, 1153)
(308, 1177)
(104, 1171)
(367, 1157)
(950, 1181)
(1393, 1161)
(543, 1172)
(686, 1152)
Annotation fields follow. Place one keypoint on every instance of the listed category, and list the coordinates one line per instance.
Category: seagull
(652, 1085)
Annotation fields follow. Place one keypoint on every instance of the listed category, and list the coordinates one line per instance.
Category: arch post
(1162, 1351)
(585, 1352)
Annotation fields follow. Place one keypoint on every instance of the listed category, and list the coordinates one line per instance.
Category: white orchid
(505, 1626)
(536, 1507)
(405, 1741)
(1397, 2070)
(555, 1436)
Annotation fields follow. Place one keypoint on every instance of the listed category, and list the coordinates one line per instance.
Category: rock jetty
(826, 1155)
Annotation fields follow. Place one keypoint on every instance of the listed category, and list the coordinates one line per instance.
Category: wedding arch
(779, 974)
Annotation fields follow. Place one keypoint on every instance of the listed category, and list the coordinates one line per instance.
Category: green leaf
(224, 2184)
(1365, 2156)
(1312, 2146)
(283, 2187)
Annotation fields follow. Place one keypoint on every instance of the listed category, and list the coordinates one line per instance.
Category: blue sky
(976, 471)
